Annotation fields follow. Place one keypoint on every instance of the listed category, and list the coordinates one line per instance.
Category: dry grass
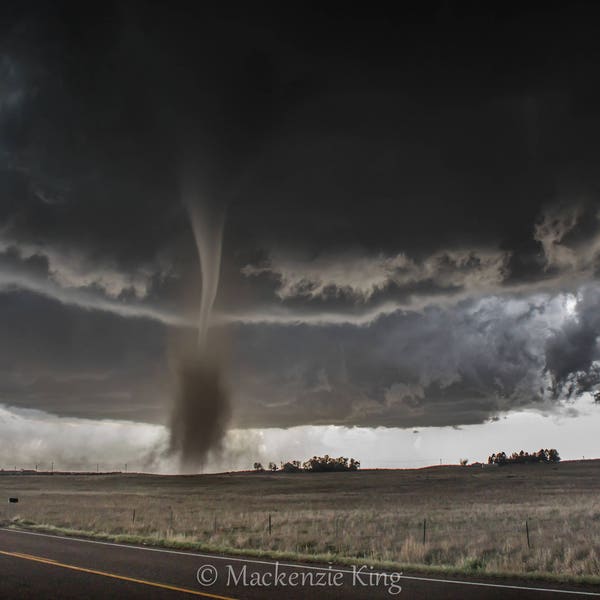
(475, 517)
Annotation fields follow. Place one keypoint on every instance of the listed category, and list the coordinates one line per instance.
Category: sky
(398, 214)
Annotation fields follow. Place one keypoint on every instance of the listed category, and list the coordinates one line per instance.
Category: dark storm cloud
(107, 112)
(293, 116)
(409, 201)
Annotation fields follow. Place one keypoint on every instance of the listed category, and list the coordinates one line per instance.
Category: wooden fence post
(527, 533)
(424, 529)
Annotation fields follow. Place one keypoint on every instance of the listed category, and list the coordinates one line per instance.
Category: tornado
(201, 409)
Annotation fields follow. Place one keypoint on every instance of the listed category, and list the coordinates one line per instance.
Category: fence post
(527, 533)
(133, 516)
(215, 524)
(269, 523)
(424, 529)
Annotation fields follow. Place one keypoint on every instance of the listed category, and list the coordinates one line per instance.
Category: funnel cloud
(207, 224)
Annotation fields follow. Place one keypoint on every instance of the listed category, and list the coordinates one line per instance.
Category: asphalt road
(42, 566)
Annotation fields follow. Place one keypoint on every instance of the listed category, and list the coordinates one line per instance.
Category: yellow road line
(49, 561)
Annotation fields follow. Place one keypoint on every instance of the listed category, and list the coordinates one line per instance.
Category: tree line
(545, 455)
(316, 464)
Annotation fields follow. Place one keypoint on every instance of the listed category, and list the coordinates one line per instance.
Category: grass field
(475, 517)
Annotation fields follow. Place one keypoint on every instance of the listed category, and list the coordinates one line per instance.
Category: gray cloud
(443, 366)
(572, 351)
(68, 269)
(570, 236)
(361, 277)
(75, 281)
(73, 361)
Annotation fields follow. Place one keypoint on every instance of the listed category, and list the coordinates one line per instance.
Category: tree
(291, 467)
(326, 463)
(498, 459)
(258, 466)
(541, 456)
